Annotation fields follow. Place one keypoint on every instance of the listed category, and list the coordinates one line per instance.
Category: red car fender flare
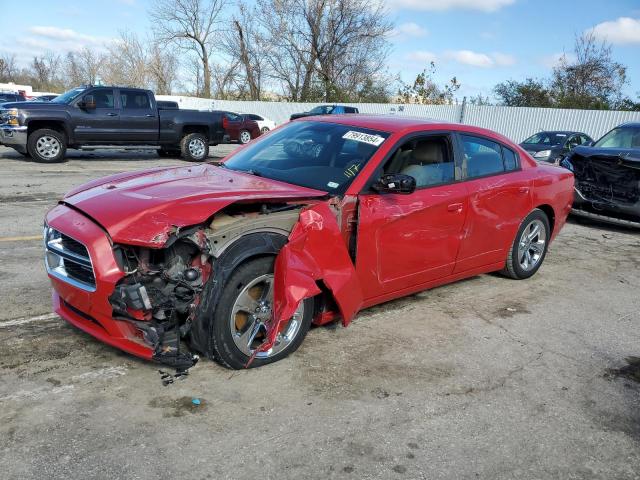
(315, 252)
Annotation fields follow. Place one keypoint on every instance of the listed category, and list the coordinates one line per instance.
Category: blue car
(325, 110)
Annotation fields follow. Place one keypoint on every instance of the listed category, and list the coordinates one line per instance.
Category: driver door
(99, 125)
(406, 240)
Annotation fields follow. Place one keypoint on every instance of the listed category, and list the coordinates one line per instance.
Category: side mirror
(395, 183)
(88, 102)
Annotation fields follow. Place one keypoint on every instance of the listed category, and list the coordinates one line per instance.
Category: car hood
(144, 208)
(607, 152)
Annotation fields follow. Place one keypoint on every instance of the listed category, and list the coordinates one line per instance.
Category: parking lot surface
(486, 378)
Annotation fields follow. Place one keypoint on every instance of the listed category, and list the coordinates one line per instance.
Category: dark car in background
(239, 128)
(11, 97)
(607, 176)
(43, 98)
(553, 146)
(325, 110)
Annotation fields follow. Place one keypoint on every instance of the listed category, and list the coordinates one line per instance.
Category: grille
(68, 259)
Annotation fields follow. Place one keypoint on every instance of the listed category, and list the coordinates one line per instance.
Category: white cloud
(624, 30)
(439, 5)
(410, 29)
(62, 34)
(503, 60)
(481, 60)
(421, 56)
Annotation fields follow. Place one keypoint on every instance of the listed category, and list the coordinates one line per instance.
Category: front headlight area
(542, 155)
(10, 116)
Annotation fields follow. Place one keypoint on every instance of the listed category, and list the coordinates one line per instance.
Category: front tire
(194, 147)
(47, 146)
(244, 137)
(530, 246)
(238, 320)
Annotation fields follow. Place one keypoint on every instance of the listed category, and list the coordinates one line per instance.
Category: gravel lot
(486, 378)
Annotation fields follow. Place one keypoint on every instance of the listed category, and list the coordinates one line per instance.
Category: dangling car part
(309, 224)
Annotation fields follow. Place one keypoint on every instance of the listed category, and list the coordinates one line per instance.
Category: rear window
(483, 157)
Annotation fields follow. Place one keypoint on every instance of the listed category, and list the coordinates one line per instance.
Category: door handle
(455, 207)
(523, 190)
(111, 114)
(149, 115)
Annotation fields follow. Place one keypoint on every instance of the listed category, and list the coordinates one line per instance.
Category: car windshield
(621, 137)
(546, 138)
(319, 155)
(322, 110)
(69, 96)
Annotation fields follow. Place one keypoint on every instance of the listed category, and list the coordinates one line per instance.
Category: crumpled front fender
(315, 252)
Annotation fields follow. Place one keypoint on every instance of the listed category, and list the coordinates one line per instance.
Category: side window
(584, 139)
(232, 117)
(510, 159)
(484, 157)
(104, 98)
(427, 159)
(349, 110)
(574, 141)
(133, 100)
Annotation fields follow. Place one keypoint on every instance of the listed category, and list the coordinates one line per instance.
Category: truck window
(104, 98)
(134, 100)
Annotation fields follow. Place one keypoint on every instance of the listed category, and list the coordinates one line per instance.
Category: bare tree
(191, 24)
(162, 66)
(126, 62)
(8, 68)
(45, 72)
(324, 49)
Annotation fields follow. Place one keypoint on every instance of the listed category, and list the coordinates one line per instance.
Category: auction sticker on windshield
(363, 137)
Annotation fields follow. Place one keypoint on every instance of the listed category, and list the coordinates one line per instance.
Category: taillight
(225, 122)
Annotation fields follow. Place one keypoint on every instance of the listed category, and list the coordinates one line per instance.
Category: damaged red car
(319, 219)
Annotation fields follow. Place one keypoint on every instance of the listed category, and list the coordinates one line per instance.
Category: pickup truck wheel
(194, 147)
(47, 146)
(245, 137)
(245, 304)
(529, 247)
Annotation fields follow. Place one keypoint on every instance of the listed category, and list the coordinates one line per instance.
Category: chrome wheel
(265, 129)
(245, 137)
(197, 148)
(252, 310)
(48, 147)
(532, 244)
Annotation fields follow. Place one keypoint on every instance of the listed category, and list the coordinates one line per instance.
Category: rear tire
(530, 246)
(227, 345)
(47, 146)
(244, 137)
(265, 130)
(194, 147)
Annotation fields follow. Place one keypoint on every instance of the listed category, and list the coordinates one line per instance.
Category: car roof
(566, 132)
(396, 124)
(630, 124)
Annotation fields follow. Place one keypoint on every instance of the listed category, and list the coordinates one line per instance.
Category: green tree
(424, 89)
(530, 93)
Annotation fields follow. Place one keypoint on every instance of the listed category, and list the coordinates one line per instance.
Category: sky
(481, 42)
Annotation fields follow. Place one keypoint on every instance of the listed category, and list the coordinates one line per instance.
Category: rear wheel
(245, 137)
(194, 147)
(265, 129)
(47, 146)
(244, 308)
(529, 247)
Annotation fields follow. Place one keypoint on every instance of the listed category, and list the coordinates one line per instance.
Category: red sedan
(240, 128)
(323, 217)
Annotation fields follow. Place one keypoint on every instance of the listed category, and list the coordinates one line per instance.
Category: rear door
(100, 125)
(500, 197)
(232, 123)
(139, 123)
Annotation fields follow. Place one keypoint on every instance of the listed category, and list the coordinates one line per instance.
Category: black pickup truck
(94, 117)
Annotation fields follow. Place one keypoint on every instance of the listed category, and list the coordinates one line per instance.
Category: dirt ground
(486, 378)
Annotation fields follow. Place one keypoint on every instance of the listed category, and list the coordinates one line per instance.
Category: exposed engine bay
(607, 183)
(161, 290)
